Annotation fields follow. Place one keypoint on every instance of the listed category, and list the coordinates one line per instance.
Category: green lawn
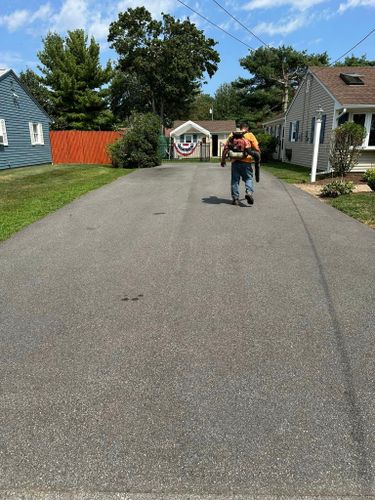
(293, 174)
(28, 194)
(361, 206)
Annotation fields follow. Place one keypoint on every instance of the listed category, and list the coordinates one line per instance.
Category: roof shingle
(348, 94)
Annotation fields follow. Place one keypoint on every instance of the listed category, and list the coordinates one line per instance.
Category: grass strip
(30, 193)
(292, 174)
(361, 206)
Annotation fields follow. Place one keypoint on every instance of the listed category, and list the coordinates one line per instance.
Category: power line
(216, 25)
(354, 46)
(241, 24)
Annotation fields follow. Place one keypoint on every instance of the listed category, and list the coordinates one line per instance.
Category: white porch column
(318, 126)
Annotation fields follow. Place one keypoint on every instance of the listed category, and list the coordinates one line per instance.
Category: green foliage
(228, 103)
(139, 147)
(356, 61)
(277, 72)
(369, 177)
(267, 144)
(336, 188)
(72, 73)
(166, 59)
(200, 108)
(34, 83)
(346, 141)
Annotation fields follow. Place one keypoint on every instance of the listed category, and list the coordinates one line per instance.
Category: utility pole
(318, 126)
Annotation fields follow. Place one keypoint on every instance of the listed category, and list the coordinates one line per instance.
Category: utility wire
(240, 23)
(216, 25)
(354, 46)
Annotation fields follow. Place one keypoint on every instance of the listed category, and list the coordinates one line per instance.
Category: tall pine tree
(75, 79)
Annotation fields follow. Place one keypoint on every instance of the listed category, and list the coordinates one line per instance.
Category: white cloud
(271, 4)
(14, 20)
(153, 6)
(352, 4)
(72, 15)
(281, 27)
(21, 18)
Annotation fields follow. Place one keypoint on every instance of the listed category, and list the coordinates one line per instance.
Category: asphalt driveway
(159, 343)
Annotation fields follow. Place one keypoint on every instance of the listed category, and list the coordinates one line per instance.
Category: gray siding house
(344, 94)
(24, 125)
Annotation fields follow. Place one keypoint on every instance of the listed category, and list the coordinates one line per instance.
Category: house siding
(309, 98)
(17, 114)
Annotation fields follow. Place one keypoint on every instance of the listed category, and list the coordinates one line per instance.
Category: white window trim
(3, 132)
(39, 140)
(368, 118)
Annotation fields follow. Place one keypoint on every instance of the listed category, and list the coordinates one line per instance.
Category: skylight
(351, 78)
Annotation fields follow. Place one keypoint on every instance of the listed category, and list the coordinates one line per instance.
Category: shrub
(336, 188)
(369, 177)
(288, 154)
(346, 141)
(267, 144)
(139, 147)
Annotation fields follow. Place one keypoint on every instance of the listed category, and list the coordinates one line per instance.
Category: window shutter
(40, 133)
(312, 130)
(3, 132)
(290, 131)
(322, 130)
(194, 137)
(297, 130)
(31, 134)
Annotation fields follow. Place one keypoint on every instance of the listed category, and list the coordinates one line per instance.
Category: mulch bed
(355, 177)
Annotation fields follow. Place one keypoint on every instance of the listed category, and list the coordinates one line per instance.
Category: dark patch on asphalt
(133, 299)
(91, 228)
(159, 213)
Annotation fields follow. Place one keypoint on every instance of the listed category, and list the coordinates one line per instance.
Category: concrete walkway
(159, 343)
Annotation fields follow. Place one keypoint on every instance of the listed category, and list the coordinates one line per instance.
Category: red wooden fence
(75, 146)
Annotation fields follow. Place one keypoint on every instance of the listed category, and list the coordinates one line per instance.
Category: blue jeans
(242, 170)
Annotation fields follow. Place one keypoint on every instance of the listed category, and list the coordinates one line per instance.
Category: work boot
(249, 198)
(235, 201)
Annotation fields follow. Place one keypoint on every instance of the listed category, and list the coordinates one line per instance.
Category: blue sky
(312, 25)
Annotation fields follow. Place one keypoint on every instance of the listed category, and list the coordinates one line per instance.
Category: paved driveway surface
(158, 342)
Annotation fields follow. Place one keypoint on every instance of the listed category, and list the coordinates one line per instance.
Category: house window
(343, 119)
(3, 133)
(359, 119)
(371, 139)
(36, 133)
(293, 131)
(188, 138)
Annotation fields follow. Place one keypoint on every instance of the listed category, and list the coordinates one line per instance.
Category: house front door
(215, 144)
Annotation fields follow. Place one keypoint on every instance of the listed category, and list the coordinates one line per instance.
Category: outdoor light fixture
(320, 112)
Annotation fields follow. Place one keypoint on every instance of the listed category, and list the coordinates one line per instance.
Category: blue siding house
(24, 125)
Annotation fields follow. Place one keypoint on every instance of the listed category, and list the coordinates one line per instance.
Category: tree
(35, 86)
(168, 58)
(228, 102)
(139, 147)
(356, 61)
(200, 108)
(72, 73)
(346, 141)
(277, 72)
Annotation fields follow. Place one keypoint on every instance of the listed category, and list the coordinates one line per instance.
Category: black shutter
(297, 130)
(290, 131)
(312, 130)
(323, 129)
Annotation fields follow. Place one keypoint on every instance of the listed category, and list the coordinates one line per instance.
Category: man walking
(242, 167)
